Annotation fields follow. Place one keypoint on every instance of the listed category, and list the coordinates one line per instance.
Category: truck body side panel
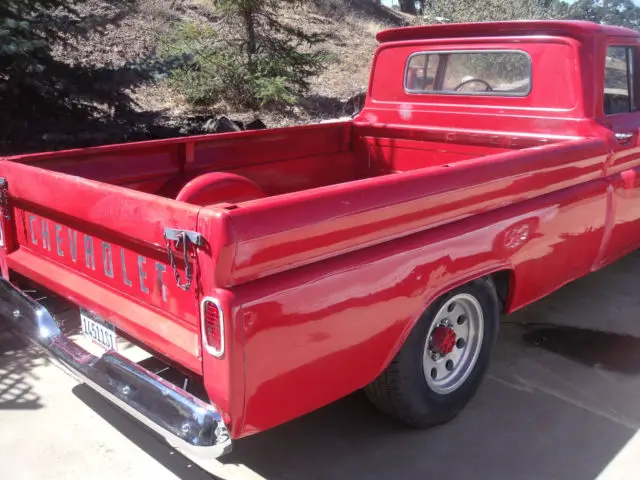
(334, 326)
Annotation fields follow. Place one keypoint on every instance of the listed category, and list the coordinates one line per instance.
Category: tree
(623, 13)
(263, 62)
(493, 10)
(39, 90)
(612, 12)
(30, 78)
(267, 38)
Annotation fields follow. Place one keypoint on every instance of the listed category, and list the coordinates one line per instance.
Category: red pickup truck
(276, 271)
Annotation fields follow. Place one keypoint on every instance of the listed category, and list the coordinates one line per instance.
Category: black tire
(402, 391)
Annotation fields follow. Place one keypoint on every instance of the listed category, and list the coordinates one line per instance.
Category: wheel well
(503, 282)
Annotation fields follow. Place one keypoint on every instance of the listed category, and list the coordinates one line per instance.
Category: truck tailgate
(103, 247)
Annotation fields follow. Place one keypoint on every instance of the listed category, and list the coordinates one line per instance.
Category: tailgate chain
(185, 238)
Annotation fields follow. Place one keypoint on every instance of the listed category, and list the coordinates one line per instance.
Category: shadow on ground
(17, 361)
(505, 433)
(143, 438)
(594, 348)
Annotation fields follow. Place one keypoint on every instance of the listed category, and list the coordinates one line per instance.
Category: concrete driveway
(562, 401)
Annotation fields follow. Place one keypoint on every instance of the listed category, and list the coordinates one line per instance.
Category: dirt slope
(130, 31)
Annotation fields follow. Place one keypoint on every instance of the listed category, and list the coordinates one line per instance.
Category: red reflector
(213, 328)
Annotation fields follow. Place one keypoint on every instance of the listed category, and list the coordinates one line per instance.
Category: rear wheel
(441, 364)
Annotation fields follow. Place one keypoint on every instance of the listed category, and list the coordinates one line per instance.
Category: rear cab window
(501, 72)
(621, 80)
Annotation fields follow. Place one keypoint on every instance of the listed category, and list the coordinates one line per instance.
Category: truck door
(621, 117)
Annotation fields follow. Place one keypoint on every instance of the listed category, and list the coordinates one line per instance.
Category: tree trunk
(408, 6)
(250, 28)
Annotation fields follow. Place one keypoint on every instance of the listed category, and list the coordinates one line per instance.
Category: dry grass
(352, 25)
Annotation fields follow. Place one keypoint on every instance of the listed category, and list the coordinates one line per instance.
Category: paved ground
(562, 401)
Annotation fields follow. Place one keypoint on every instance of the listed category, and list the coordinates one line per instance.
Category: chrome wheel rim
(453, 343)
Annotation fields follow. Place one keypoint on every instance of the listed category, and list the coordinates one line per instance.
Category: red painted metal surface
(574, 28)
(362, 224)
(218, 187)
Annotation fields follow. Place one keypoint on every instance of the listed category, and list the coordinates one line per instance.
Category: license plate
(98, 332)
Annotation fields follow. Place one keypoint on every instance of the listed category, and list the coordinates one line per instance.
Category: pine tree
(38, 90)
(30, 78)
(272, 48)
(264, 61)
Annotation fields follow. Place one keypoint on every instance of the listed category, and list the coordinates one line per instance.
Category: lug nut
(451, 307)
(449, 365)
(434, 373)
(460, 343)
(462, 319)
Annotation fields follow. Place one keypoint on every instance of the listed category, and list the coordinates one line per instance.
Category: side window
(620, 77)
(421, 72)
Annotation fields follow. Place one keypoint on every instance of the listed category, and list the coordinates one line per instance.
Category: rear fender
(459, 281)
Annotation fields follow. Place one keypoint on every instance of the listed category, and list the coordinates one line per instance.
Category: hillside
(130, 31)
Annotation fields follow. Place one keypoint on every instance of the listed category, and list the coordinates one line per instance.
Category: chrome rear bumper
(191, 426)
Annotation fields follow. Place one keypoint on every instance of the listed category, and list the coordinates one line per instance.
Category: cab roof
(571, 28)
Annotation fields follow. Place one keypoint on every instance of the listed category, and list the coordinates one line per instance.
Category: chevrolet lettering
(89, 253)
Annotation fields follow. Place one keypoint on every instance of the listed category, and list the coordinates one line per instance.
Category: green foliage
(449, 11)
(265, 62)
(272, 90)
(612, 12)
(27, 27)
(210, 71)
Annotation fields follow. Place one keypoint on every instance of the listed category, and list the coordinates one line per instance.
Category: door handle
(624, 137)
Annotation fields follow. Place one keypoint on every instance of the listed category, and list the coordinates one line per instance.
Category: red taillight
(212, 327)
(5, 212)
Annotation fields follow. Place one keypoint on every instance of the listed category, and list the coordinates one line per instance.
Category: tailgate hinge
(181, 239)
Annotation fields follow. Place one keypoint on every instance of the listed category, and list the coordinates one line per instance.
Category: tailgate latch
(180, 240)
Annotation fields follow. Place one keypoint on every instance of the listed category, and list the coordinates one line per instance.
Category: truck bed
(277, 161)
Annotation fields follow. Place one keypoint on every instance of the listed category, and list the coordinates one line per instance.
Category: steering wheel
(471, 80)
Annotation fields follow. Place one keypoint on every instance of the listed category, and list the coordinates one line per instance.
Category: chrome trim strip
(191, 426)
(210, 349)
